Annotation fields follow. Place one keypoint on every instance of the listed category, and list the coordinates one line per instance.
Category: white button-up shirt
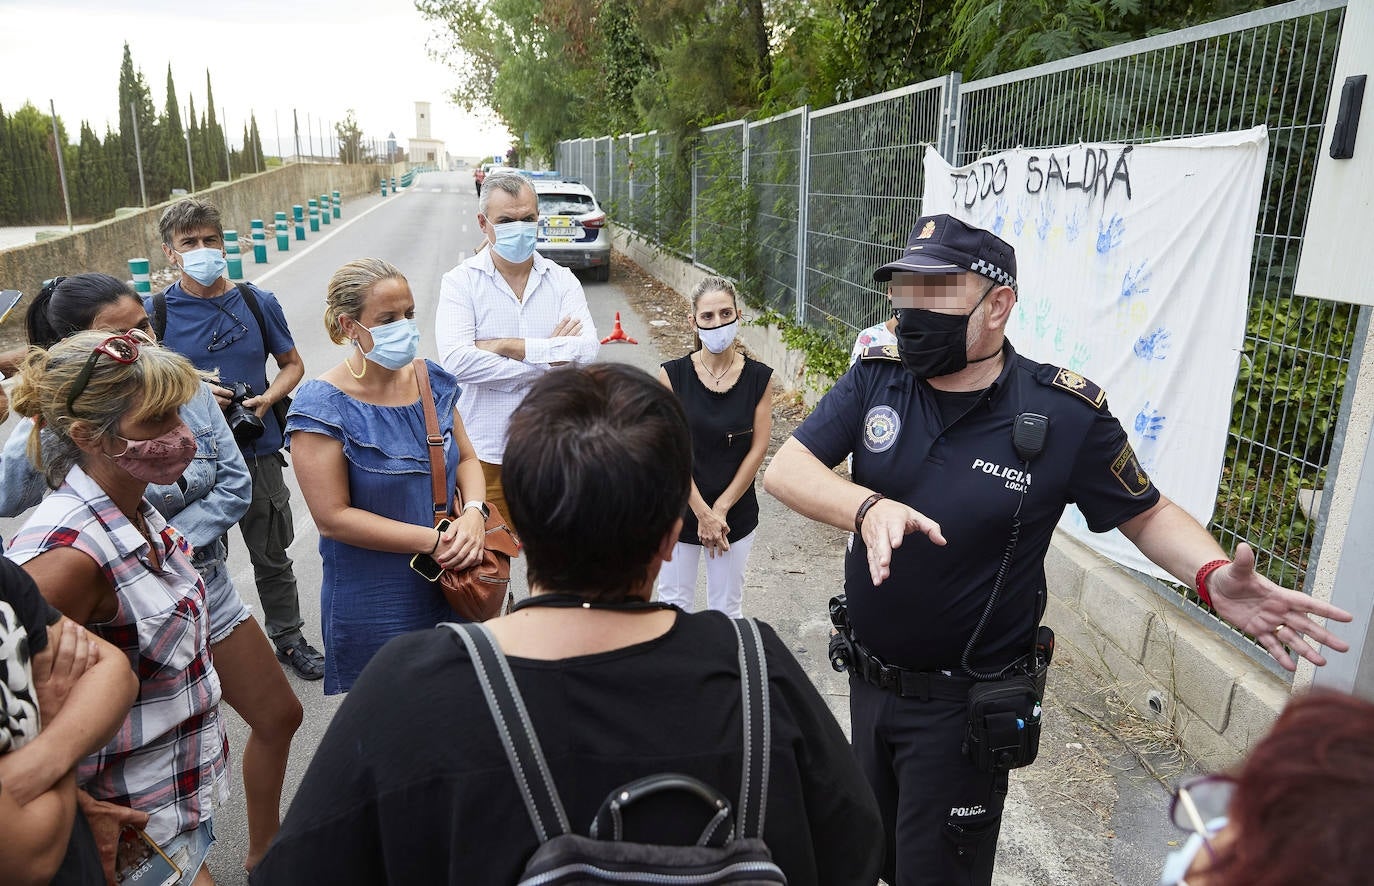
(475, 304)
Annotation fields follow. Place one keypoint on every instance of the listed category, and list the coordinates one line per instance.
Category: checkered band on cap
(992, 272)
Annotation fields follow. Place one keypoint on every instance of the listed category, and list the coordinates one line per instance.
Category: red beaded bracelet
(1200, 583)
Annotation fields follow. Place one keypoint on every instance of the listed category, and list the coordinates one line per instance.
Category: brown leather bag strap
(435, 440)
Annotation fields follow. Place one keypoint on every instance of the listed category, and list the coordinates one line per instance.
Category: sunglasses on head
(122, 349)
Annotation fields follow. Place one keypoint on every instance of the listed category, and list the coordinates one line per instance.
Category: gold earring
(356, 375)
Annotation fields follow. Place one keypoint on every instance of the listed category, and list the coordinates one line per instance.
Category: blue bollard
(393, 183)
(324, 209)
(232, 255)
(283, 232)
(298, 213)
(336, 203)
(383, 186)
(259, 241)
(314, 215)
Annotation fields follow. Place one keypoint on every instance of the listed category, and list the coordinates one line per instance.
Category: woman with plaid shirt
(106, 559)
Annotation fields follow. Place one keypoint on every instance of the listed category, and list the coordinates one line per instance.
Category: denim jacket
(211, 496)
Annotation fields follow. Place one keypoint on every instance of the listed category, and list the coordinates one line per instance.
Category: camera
(243, 421)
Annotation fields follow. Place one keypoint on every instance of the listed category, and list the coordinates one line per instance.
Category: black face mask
(932, 344)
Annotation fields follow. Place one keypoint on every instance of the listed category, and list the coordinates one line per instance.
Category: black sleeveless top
(722, 425)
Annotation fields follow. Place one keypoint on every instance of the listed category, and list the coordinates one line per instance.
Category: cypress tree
(171, 158)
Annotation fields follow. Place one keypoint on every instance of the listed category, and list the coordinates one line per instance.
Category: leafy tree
(95, 191)
(136, 107)
(213, 134)
(171, 165)
(350, 136)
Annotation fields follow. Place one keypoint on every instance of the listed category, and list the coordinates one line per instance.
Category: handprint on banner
(1149, 423)
(1059, 343)
(1022, 315)
(1019, 224)
(1109, 234)
(1154, 346)
(999, 216)
(1072, 227)
(1042, 318)
(1044, 220)
(1081, 355)
(1133, 281)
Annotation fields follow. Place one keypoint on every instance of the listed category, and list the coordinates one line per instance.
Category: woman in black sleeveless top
(725, 396)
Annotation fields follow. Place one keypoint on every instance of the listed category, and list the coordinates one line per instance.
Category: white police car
(572, 227)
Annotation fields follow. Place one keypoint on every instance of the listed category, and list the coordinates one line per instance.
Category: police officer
(964, 457)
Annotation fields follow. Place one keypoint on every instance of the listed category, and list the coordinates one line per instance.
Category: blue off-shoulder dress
(368, 596)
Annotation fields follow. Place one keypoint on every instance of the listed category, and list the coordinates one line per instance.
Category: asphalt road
(1079, 815)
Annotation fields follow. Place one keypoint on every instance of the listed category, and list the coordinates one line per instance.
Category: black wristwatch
(480, 506)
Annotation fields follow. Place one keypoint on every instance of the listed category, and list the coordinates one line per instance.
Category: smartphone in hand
(425, 564)
(140, 861)
(8, 299)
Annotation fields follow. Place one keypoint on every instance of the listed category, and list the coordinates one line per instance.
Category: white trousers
(677, 580)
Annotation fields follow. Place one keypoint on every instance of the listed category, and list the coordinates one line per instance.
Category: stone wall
(108, 246)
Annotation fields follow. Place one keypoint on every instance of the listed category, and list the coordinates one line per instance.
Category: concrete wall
(108, 246)
(1195, 685)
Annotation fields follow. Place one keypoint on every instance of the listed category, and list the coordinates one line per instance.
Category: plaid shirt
(476, 303)
(170, 755)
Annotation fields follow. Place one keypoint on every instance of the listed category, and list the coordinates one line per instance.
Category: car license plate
(559, 230)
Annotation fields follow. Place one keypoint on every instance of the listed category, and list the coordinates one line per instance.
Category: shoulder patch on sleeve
(881, 352)
(1127, 470)
(1068, 380)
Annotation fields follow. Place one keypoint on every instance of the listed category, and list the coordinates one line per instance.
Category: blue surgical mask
(204, 266)
(515, 240)
(393, 344)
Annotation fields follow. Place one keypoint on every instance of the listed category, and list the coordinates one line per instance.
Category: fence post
(803, 216)
(692, 172)
(950, 100)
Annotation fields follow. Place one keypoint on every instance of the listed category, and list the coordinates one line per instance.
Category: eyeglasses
(219, 342)
(119, 348)
(1200, 807)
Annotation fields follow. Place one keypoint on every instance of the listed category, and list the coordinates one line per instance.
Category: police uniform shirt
(968, 477)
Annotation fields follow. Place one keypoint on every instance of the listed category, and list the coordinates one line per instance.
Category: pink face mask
(160, 460)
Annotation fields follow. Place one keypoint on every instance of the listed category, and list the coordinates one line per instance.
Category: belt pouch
(1003, 730)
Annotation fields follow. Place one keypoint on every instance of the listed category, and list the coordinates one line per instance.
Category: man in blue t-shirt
(231, 331)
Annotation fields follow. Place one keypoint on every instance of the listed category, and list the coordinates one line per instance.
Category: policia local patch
(1126, 467)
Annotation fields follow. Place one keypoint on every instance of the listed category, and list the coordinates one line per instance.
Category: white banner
(1134, 267)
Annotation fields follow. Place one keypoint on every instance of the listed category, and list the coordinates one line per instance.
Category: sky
(317, 57)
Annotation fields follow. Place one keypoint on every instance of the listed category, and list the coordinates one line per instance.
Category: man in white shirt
(506, 316)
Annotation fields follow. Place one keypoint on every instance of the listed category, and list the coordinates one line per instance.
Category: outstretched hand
(1274, 616)
(885, 526)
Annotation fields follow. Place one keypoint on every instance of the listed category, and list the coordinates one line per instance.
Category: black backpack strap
(160, 315)
(758, 727)
(517, 732)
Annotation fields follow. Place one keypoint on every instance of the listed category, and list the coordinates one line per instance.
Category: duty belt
(923, 685)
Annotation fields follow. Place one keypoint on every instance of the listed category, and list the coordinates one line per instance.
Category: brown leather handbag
(477, 592)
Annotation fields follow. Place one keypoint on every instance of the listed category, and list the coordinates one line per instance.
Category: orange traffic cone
(618, 334)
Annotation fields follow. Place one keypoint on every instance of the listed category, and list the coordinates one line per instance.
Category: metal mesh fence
(863, 195)
(1297, 350)
(718, 164)
(842, 187)
(775, 170)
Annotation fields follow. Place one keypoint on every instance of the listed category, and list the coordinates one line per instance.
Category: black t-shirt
(411, 782)
(967, 476)
(24, 620)
(722, 425)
